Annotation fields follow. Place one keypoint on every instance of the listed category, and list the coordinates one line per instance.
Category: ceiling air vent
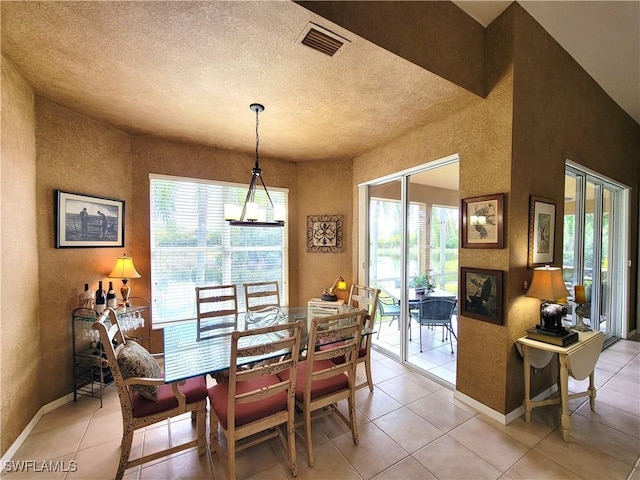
(322, 40)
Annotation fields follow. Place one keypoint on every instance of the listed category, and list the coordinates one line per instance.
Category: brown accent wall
(560, 113)
(541, 109)
(20, 338)
(435, 35)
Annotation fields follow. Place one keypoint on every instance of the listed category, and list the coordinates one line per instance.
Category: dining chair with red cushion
(321, 383)
(254, 398)
(366, 298)
(145, 399)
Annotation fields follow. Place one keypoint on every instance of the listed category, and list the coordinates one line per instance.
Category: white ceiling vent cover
(321, 39)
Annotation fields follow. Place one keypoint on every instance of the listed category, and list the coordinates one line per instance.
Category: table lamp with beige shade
(548, 285)
(124, 269)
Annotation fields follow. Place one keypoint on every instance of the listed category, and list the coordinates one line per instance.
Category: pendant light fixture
(251, 215)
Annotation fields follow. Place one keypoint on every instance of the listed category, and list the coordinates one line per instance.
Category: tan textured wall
(20, 345)
(324, 188)
(560, 113)
(481, 135)
(80, 155)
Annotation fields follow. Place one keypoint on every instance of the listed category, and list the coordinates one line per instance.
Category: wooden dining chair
(254, 398)
(321, 383)
(260, 295)
(365, 298)
(145, 399)
(216, 310)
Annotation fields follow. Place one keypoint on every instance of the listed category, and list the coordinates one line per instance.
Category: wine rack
(91, 372)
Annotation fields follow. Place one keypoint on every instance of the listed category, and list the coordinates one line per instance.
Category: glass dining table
(185, 356)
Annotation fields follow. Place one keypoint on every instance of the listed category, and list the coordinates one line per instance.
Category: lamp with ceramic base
(124, 269)
(548, 285)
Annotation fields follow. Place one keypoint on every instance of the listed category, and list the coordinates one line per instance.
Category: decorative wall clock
(325, 233)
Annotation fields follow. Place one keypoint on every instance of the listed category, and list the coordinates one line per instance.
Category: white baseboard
(31, 425)
(497, 416)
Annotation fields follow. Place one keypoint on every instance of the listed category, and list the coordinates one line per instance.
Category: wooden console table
(578, 360)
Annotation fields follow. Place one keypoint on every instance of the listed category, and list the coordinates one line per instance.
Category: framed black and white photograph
(481, 294)
(542, 222)
(88, 221)
(325, 233)
(482, 221)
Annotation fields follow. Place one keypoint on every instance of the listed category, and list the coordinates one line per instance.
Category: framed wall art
(88, 221)
(542, 222)
(482, 221)
(481, 294)
(325, 233)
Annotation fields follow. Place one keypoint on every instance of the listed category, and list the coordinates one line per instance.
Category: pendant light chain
(257, 140)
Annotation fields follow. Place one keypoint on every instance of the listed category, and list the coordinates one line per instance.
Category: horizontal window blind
(193, 246)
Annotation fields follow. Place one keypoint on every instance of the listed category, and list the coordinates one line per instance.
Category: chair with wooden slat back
(260, 295)
(254, 399)
(321, 383)
(145, 398)
(366, 298)
(217, 310)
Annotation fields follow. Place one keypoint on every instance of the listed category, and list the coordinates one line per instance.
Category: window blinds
(192, 245)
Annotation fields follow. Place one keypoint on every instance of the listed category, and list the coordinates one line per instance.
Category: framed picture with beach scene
(88, 221)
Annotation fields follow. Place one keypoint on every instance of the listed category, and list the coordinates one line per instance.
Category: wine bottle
(101, 299)
(86, 298)
(112, 301)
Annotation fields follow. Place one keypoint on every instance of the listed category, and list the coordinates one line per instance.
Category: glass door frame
(618, 265)
(363, 238)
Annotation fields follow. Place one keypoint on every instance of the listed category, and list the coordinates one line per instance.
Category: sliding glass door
(595, 247)
(386, 258)
(412, 240)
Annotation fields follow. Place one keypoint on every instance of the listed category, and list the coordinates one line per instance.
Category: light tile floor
(410, 428)
(436, 356)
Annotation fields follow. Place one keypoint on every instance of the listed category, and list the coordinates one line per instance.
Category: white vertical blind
(193, 246)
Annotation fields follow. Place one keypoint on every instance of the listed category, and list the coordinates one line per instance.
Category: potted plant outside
(422, 284)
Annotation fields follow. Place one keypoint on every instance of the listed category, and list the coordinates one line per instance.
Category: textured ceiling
(189, 70)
